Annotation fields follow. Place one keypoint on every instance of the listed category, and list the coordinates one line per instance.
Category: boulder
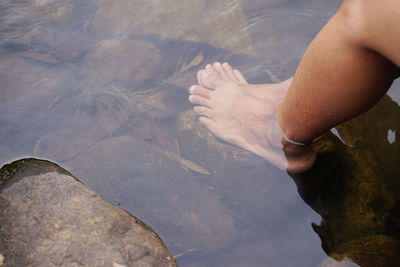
(49, 218)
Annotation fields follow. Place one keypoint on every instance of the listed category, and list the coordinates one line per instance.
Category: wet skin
(245, 115)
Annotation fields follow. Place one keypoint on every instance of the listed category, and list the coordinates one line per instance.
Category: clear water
(100, 88)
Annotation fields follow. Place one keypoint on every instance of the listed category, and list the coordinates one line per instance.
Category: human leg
(339, 77)
(242, 114)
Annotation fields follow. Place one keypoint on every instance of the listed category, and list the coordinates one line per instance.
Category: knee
(365, 19)
(354, 19)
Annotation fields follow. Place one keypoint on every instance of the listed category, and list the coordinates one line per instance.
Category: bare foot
(244, 115)
(263, 91)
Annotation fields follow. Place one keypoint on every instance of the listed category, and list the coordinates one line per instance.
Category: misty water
(100, 87)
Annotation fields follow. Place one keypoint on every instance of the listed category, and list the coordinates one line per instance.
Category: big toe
(209, 77)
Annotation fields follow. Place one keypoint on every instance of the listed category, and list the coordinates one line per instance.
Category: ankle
(287, 128)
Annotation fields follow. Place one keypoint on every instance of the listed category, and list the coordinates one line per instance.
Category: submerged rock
(220, 23)
(158, 187)
(49, 218)
(121, 60)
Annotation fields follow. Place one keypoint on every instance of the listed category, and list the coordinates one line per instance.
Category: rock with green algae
(354, 186)
(159, 188)
(49, 218)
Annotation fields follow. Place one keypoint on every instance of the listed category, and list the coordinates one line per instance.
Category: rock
(31, 94)
(49, 218)
(151, 182)
(55, 46)
(122, 60)
(70, 14)
(45, 31)
(371, 251)
(274, 30)
(22, 80)
(355, 187)
(22, 22)
(222, 24)
(81, 132)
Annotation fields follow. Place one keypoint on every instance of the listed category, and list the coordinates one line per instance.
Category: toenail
(190, 98)
(192, 88)
(217, 63)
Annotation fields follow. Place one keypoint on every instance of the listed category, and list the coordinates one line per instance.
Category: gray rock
(49, 218)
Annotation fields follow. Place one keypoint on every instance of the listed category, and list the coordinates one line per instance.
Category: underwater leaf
(155, 101)
(185, 163)
(46, 58)
(272, 76)
(195, 62)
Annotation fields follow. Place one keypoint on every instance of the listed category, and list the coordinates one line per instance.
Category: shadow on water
(92, 87)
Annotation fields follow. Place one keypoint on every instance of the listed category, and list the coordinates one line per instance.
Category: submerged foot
(244, 115)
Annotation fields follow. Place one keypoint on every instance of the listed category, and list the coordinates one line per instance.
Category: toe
(202, 111)
(229, 71)
(199, 100)
(201, 91)
(210, 68)
(239, 77)
(221, 71)
(201, 73)
(209, 78)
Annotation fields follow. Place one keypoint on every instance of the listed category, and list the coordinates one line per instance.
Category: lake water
(99, 87)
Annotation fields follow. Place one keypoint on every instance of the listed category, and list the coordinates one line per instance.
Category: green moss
(19, 169)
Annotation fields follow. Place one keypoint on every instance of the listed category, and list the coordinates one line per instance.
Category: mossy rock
(354, 186)
(371, 251)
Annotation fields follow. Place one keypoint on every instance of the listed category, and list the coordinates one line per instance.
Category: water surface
(100, 88)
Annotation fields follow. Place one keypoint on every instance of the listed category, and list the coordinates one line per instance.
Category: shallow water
(100, 88)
